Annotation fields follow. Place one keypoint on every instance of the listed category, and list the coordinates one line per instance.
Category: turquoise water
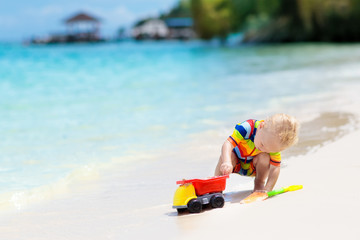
(63, 107)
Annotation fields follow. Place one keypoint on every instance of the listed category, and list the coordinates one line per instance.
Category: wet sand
(323, 129)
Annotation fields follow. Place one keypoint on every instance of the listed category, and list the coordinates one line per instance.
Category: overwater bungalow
(180, 28)
(81, 27)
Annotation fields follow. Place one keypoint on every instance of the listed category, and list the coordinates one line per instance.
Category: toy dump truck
(192, 194)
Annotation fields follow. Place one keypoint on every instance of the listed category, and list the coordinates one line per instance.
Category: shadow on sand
(236, 197)
(230, 197)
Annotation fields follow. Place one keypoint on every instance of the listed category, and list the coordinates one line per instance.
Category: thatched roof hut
(81, 17)
(83, 23)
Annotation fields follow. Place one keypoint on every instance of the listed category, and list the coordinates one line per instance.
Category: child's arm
(273, 177)
(226, 166)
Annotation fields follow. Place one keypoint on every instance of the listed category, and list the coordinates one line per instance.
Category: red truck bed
(207, 185)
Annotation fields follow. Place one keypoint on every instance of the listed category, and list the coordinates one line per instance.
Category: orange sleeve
(232, 141)
(275, 159)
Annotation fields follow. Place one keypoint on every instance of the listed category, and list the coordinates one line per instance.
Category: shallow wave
(19, 200)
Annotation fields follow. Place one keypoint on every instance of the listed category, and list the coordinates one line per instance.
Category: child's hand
(226, 168)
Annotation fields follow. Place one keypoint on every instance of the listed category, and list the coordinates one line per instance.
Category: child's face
(266, 141)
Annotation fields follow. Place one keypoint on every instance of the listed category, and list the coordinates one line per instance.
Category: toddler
(254, 149)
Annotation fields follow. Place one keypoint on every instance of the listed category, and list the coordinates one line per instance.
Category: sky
(24, 19)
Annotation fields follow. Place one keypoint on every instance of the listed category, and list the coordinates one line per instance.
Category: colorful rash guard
(242, 140)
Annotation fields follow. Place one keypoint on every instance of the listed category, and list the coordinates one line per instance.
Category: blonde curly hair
(286, 127)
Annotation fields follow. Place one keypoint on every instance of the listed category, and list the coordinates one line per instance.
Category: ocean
(67, 110)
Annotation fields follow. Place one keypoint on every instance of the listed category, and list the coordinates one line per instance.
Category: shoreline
(100, 207)
(334, 124)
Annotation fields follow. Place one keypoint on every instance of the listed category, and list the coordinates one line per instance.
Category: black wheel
(217, 201)
(194, 206)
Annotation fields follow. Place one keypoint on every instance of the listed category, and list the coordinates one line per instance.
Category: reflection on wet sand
(326, 127)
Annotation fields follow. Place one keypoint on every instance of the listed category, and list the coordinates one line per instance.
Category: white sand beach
(326, 208)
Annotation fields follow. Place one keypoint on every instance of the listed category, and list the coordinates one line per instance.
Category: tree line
(273, 20)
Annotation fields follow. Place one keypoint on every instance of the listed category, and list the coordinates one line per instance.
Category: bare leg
(218, 166)
(262, 166)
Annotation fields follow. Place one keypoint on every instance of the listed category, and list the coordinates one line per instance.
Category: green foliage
(181, 10)
(278, 20)
(212, 18)
(268, 7)
(241, 10)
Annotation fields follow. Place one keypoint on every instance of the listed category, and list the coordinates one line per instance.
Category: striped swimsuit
(242, 140)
